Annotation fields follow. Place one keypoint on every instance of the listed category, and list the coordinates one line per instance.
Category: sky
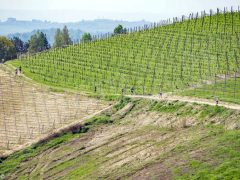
(131, 10)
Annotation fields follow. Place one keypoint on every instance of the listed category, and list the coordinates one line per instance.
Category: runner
(217, 101)
(132, 90)
(17, 72)
(160, 94)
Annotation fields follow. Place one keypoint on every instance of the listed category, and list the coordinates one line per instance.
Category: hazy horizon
(134, 10)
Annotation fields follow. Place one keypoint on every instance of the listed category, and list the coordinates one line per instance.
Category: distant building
(11, 20)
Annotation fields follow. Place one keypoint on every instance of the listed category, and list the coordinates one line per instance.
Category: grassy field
(222, 90)
(168, 58)
(168, 140)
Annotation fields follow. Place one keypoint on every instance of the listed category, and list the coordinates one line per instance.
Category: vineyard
(58, 120)
(28, 112)
(194, 56)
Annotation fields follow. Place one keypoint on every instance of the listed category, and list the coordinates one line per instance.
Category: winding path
(168, 97)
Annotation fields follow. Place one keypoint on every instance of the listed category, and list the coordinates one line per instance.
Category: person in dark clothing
(160, 95)
(132, 90)
(16, 71)
(217, 101)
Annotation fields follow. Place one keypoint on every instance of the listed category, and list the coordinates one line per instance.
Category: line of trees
(38, 42)
(62, 38)
(11, 48)
(86, 37)
(7, 50)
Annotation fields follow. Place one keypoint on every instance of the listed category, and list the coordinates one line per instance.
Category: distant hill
(13, 25)
(24, 29)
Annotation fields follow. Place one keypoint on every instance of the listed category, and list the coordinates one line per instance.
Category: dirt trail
(169, 97)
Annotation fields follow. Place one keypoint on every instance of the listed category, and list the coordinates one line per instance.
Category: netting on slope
(28, 112)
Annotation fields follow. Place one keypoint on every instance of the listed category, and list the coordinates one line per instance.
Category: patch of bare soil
(132, 147)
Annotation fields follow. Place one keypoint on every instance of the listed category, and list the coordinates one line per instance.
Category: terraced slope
(28, 112)
(201, 53)
(139, 140)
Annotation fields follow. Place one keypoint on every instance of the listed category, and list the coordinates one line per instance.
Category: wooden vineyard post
(195, 22)
(172, 62)
(34, 100)
(217, 19)
(145, 75)
(14, 111)
(24, 105)
(227, 64)
(226, 73)
(46, 109)
(199, 63)
(215, 85)
(4, 116)
(232, 13)
(164, 62)
(236, 71)
(210, 22)
(225, 19)
(203, 20)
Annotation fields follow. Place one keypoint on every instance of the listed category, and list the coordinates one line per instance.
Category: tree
(119, 30)
(7, 50)
(38, 42)
(86, 37)
(19, 45)
(65, 37)
(58, 39)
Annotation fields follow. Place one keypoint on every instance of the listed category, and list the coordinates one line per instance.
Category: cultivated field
(28, 112)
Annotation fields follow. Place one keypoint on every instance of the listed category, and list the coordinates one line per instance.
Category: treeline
(12, 48)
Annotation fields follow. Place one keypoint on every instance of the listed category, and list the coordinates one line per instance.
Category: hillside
(200, 55)
(30, 112)
(180, 134)
(139, 139)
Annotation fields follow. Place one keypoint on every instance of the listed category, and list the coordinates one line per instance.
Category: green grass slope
(138, 139)
(193, 53)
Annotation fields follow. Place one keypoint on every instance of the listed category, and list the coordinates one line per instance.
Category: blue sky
(76, 10)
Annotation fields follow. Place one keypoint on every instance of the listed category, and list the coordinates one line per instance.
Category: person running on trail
(132, 90)
(217, 101)
(122, 92)
(17, 72)
(160, 94)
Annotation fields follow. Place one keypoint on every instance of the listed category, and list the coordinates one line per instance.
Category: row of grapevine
(200, 53)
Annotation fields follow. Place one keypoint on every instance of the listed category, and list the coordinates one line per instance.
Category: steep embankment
(139, 139)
